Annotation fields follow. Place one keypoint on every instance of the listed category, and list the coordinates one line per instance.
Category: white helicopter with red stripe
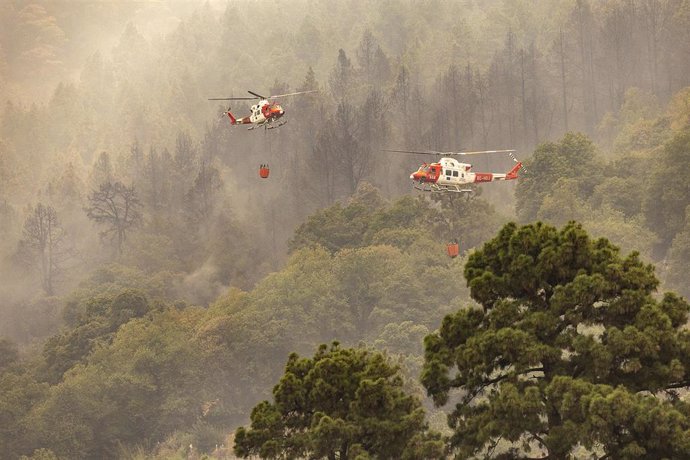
(266, 112)
(450, 175)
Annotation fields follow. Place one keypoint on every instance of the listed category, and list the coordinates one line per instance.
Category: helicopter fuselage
(451, 175)
(265, 111)
(262, 114)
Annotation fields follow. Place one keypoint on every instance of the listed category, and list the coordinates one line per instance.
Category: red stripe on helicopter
(483, 177)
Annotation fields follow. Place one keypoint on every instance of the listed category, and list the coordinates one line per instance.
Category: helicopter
(450, 175)
(264, 113)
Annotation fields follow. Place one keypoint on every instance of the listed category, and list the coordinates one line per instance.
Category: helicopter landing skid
(277, 126)
(436, 188)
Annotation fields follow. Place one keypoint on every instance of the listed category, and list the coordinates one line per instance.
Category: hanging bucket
(263, 171)
(453, 249)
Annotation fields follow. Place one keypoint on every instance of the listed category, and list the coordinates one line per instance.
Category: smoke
(201, 286)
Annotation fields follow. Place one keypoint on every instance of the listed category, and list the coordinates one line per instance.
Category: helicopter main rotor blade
(293, 94)
(437, 153)
(257, 95)
(415, 152)
(484, 151)
(231, 98)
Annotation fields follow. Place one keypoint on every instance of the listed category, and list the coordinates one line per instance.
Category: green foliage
(667, 197)
(572, 158)
(368, 220)
(564, 203)
(139, 389)
(566, 341)
(679, 110)
(108, 281)
(352, 296)
(679, 259)
(99, 319)
(639, 124)
(405, 337)
(643, 134)
(374, 283)
(630, 234)
(624, 423)
(467, 220)
(638, 105)
(342, 403)
(8, 353)
(40, 454)
(336, 227)
(19, 392)
(624, 194)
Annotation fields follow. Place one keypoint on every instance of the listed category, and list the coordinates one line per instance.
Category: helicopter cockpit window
(448, 172)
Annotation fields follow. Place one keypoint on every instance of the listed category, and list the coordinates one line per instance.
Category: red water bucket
(453, 250)
(263, 171)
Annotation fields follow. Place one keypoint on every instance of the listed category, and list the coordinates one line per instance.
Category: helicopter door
(435, 172)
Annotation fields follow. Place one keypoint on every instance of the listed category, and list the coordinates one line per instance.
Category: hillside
(135, 335)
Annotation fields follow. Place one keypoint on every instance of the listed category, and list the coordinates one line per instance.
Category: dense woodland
(153, 287)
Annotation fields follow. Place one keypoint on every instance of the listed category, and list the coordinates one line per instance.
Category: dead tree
(42, 242)
(118, 208)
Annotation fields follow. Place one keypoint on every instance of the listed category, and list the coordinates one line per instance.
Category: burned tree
(42, 243)
(117, 207)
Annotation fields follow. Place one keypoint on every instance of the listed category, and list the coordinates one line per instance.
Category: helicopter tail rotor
(519, 163)
(229, 115)
(223, 114)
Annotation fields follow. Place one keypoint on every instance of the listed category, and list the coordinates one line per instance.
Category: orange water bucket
(263, 171)
(453, 250)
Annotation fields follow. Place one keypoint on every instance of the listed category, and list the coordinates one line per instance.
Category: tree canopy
(568, 348)
(342, 403)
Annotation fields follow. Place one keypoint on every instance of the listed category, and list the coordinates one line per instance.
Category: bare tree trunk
(482, 104)
(49, 256)
(509, 86)
(535, 92)
(471, 101)
(524, 102)
(563, 85)
(593, 83)
(43, 233)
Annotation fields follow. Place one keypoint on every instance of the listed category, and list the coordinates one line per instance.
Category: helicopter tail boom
(490, 177)
(235, 121)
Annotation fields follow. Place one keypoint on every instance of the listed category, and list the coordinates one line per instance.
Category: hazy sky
(43, 42)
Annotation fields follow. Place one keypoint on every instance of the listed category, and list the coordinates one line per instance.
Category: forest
(159, 299)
